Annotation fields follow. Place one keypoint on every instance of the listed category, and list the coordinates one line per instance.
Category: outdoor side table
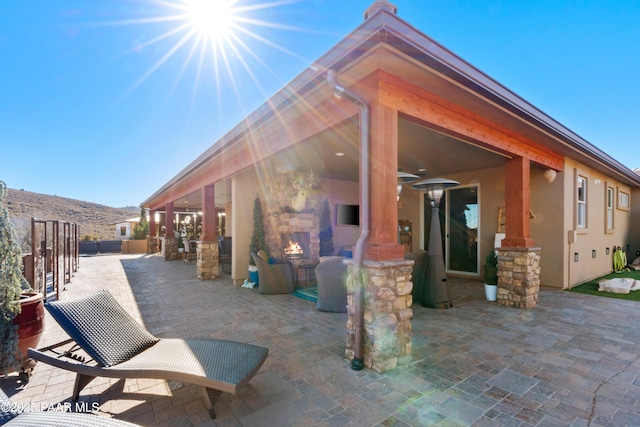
(308, 271)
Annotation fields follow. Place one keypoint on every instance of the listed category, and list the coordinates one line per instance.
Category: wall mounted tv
(347, 215)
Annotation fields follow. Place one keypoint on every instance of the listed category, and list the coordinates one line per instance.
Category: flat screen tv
(347, 215)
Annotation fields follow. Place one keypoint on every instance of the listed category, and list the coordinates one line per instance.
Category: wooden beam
(517, 203)
(449, 117)
(209, 216)
(383, 240)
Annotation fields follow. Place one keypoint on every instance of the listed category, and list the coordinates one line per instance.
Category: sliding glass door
(462, 230)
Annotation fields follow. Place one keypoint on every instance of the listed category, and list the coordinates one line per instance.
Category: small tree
(12, 282)
(326, 234)
(258, 240)
(141, 229)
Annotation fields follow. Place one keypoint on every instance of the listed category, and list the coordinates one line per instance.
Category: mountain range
(94, 220)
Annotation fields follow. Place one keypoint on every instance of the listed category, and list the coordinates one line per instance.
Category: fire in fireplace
(295, 245)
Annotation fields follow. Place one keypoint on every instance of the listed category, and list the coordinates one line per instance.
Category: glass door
(462, 230)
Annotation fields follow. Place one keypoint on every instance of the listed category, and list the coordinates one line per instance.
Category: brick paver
(572, 360)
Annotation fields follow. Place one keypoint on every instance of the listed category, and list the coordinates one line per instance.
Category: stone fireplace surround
(280, 220)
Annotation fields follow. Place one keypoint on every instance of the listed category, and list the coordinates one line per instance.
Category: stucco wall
(409, 208)
(244, 188)
(547, 226)
(594, 239)
(340, 192)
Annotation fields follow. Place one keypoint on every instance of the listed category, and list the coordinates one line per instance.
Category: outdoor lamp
(437, 293)
(404, 178)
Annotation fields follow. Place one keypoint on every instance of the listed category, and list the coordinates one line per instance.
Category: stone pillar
(518, 277)
(171, 249)
(208, 261)
(387, 314)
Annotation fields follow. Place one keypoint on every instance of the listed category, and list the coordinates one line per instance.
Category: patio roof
(303, 118)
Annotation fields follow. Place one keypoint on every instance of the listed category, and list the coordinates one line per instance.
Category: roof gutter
(358, 360)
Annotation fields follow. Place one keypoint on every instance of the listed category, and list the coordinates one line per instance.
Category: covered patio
(572, 360)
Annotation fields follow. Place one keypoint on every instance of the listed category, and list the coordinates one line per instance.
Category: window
(623, 200)
(123, 231)
(582, 202)
(609, 206)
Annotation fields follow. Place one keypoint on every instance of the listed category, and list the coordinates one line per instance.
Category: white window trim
(609, 209)
(581, 175)
(623, 200)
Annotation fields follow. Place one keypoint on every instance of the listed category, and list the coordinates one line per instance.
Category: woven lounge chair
(10, 416)
(116, 346)
(273, 278)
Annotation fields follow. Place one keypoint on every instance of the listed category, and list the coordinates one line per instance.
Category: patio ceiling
(419, 148)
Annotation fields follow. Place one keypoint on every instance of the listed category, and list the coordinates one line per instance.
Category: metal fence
(101, 247)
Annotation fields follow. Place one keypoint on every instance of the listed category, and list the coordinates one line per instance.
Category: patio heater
(404, 178)
(436, 294)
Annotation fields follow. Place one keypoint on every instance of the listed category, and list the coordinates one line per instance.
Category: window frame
(609, 208)
(621, 205)
(581, 221)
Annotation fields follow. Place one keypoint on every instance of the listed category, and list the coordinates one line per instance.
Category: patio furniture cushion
(101, 327)
(332, 289)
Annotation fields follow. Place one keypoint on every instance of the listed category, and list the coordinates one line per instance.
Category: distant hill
(92, 218)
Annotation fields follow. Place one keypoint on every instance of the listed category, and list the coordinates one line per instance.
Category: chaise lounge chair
(118, 347)
(10, 416)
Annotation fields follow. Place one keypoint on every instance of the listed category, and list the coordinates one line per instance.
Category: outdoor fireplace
(295, 245)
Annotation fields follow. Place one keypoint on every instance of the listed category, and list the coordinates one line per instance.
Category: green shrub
(491, 268)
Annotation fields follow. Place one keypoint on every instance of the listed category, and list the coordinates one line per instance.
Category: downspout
(358, 360)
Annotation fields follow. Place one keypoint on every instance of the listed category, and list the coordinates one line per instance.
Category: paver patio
(572, 360)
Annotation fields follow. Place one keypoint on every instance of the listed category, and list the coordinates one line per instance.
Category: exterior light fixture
(437, 293)
(549, 175)
(339, 154)
(404, 178)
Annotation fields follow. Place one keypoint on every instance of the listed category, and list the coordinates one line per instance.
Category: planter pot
(253, 274)
(30, 323)
(491, 292)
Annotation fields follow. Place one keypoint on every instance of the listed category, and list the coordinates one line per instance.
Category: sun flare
(223, 33)
(212, 19)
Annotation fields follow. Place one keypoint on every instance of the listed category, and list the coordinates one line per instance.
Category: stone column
(387, 314)
(518, 277)
(171, 249)
(208, 261)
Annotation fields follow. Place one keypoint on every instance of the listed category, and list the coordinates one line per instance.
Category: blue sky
(99, 101)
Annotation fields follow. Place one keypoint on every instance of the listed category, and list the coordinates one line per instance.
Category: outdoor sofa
(116, 346)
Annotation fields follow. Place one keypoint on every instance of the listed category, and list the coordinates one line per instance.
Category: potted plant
(258, 239)
(326, 234)
(21, 311)
(491, 275)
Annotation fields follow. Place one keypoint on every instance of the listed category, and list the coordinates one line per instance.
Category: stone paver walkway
(571, 361)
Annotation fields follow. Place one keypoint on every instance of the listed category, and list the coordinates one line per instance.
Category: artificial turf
(591, 287)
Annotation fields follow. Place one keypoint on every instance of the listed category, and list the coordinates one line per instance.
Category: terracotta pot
(30, 323)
